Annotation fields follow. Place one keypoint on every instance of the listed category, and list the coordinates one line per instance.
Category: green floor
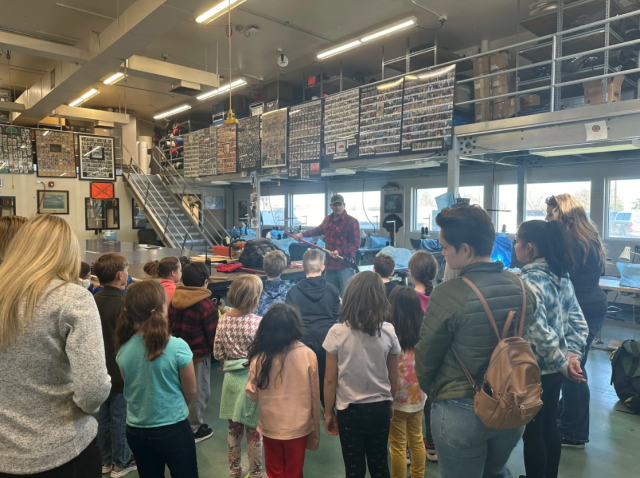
(613, 450)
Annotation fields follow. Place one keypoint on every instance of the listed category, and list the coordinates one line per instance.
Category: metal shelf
(426, 58)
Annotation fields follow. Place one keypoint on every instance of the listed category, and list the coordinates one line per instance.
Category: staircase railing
(173, 178)
(135, 176)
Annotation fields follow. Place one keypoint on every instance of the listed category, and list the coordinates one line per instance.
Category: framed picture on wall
(53, 202)
(97, 158)
(214, 202)
(393, 204)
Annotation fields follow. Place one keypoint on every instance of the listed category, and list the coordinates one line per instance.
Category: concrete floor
(612, 451)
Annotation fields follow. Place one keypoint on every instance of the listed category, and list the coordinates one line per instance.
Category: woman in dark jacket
(589, 257)
(455, 319)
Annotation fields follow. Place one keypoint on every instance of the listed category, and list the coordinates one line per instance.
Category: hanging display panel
(97, 158)
(381, 118)
(226, 141)
(305, 133)
(208, 164)
(249, 143)
(191, 147)
(342, 124)
(16, 150)
(427, 115)
(56, 154)
(274, 138)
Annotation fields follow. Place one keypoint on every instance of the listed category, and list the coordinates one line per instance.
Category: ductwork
(155, 70)
(88, 114)
(138, 26)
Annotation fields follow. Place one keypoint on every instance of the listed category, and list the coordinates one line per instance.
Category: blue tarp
(502, 249)
(629, 274)
(374, 242)
(401, 256)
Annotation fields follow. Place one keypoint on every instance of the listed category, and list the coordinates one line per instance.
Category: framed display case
(274, 138)
(208, 164)
(381, 118)
(16, 150)
(305, 136)
(97, 158)
(249, 143)
(102, 214)
(342, 124)
(7, 206)
(226, 146)
(56, 154)
(191, 148)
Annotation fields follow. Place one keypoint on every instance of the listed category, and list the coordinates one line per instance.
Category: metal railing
(134, 175)
(174, 178)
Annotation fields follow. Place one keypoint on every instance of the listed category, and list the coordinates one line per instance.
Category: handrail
(177, 177)
(146, 205)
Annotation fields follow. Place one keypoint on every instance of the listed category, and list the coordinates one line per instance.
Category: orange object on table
(221, 251)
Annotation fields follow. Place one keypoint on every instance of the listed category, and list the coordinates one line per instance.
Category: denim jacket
(558, 326)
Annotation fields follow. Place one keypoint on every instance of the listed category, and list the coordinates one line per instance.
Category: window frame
(496, 214)
(577, 180)
(414, 209)
(607, 210)
(284, 218)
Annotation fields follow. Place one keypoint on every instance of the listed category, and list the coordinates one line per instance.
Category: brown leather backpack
(510, 395)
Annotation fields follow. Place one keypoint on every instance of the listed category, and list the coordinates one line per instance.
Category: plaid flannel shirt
(196, 325)
(342, 235)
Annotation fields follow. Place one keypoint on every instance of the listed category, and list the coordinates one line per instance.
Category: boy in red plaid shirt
(342, 237)
(193, 317)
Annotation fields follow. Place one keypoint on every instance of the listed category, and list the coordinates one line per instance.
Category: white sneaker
(106, 469)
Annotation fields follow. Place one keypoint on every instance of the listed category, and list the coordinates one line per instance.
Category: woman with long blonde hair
(51, 355)
(9, 227)
(589, 257)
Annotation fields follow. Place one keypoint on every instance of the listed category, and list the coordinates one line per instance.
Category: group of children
(285, 351)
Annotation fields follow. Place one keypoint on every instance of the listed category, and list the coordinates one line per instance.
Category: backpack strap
(466, 372)
(523, 314)
(492, 321)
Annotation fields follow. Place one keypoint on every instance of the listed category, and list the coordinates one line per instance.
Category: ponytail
(143, 313)
(151, 268)
(552, 241)
(162, 268)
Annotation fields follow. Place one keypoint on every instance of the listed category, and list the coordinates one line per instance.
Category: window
(507, 208)
(102, 214)
(272, 210)
(537, 194)
(624, 208)
(308, 209)
(365, 207)
(426, 208)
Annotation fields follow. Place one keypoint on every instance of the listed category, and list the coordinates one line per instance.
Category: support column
(453, 169)
(254, 208)
(522, 194)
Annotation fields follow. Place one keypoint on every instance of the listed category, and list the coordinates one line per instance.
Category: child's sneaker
(107, 468)
(203, 433)
(118, 471)
(431, 451)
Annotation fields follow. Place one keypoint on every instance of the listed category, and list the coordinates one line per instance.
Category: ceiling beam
(138, 26)
(9, 106)
(43, 48)
(88, 114)
(156, 70)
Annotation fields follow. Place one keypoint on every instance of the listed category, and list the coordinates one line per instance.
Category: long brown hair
(570, 212)
(44, 249)
(406, 315)
(144, 313)
(424, 268)
(162, 268)
(364, 305)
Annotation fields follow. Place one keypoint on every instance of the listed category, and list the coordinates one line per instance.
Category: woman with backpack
(557, 335)
(457, 337)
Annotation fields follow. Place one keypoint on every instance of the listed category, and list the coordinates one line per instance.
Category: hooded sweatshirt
(558, 326)
(319, 305)
(274, 291)
(193, 317)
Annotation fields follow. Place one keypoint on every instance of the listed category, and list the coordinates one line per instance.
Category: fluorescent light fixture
(403, 25)
(116, 77)
(235, 84)
(174, 111)
(89, 94)
(221, 183)
(218, 10)
(595, 148)
(339, 49)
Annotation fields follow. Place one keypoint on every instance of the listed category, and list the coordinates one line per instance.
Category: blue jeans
(170, 445)
(465, 447)
(339, 278)
(112, 423)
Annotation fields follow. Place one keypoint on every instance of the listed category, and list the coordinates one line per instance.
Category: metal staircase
(180, 223)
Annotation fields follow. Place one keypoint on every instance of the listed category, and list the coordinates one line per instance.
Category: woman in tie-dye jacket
(558, 335)
(408, 404)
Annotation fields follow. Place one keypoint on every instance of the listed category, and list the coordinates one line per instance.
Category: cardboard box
(529, 100)
(593, 90)
(503, 90)
(502, 61)
(505, 108)
(481, 66)
(483, 111)
(482, 88)
(504, 79)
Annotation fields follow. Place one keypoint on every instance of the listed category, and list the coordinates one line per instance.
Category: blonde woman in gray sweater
(54, 374)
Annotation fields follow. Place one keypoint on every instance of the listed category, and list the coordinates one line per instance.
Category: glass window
(308, 209)
(624, 208)
(537, 193)
(507, 208)
(272, 210)
(427, 209)
(369, 216)
(102, 214)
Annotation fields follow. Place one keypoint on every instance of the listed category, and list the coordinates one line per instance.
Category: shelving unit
(335, 84)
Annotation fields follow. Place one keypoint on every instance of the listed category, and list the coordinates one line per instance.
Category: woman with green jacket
(455, 320)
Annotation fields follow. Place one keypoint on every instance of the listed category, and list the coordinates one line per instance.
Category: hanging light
(89, 94)
(172, 112)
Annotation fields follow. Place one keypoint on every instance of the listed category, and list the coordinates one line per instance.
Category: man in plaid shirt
(342, 237)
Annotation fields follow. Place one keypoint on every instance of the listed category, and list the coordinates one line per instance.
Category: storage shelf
(425, 59)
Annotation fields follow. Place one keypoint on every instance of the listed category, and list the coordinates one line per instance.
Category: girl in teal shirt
(159, 384)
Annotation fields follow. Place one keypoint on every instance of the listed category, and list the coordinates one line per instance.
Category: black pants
(428, 437)
(542, 444)
(321, 355)
(87, 464)
(171, 445)
(364, 432)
